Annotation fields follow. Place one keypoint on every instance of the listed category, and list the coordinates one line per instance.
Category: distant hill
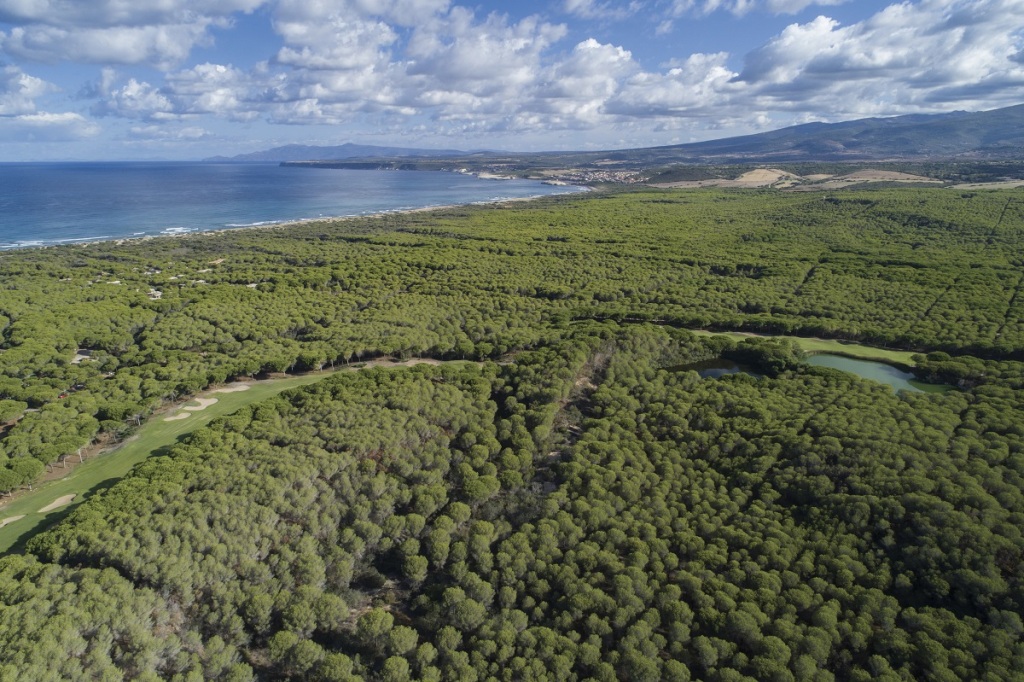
(985, 135)
(995, 134)
(300, 152)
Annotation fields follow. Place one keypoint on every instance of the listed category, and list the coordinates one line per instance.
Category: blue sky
(186, 79)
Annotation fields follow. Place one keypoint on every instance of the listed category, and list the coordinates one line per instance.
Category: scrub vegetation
(567, 508)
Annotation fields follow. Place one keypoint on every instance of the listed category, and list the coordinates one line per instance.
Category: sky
(188, 79)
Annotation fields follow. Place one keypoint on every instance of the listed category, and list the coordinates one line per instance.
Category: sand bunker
(418, 361)
(185, 411)
(394, 363)
(11, 519)
(203, 404)
(56, 504)
(234, 389)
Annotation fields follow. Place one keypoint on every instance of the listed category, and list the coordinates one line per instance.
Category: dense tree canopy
(581, 513)
(574, 506)
(931, 270)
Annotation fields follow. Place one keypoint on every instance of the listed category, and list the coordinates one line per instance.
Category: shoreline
(82, 242)
(344, 218)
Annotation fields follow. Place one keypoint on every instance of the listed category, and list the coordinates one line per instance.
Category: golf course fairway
(33, 511)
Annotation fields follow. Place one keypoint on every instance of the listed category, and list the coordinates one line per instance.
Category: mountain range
(986, 134)
(995, 134)
(301, 152)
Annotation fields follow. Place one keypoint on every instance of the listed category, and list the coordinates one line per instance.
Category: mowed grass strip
(106, 468)
(25, 514)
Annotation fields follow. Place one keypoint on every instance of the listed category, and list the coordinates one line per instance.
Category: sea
(60, 203)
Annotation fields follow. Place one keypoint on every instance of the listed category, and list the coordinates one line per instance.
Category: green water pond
(877, 371)
(865, 369)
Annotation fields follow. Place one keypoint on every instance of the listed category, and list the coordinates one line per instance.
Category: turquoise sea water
(52, 203)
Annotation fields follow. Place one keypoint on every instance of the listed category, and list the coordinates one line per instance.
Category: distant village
(568, 176)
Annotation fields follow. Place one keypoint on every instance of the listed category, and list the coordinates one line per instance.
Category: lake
(876, 371)
(865, 369)
(53, 203)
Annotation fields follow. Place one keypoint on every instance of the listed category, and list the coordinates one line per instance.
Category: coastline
(83, 242)
(335, 219)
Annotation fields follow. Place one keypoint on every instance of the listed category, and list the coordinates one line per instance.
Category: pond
(714, 368)
(865, 369)
(876, 371)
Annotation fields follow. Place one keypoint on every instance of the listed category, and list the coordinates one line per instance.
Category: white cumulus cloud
(441, 68)
(698, 87)
(794, 6)
(216, 89)
(473, 74)
(47, 127)
(905, 57)
(595, 9)
(138, 100)
(19, 91)
(741, 7)
(156, 132)
(162, 46)
(99, 13)
(577, 88)
(157, 32)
